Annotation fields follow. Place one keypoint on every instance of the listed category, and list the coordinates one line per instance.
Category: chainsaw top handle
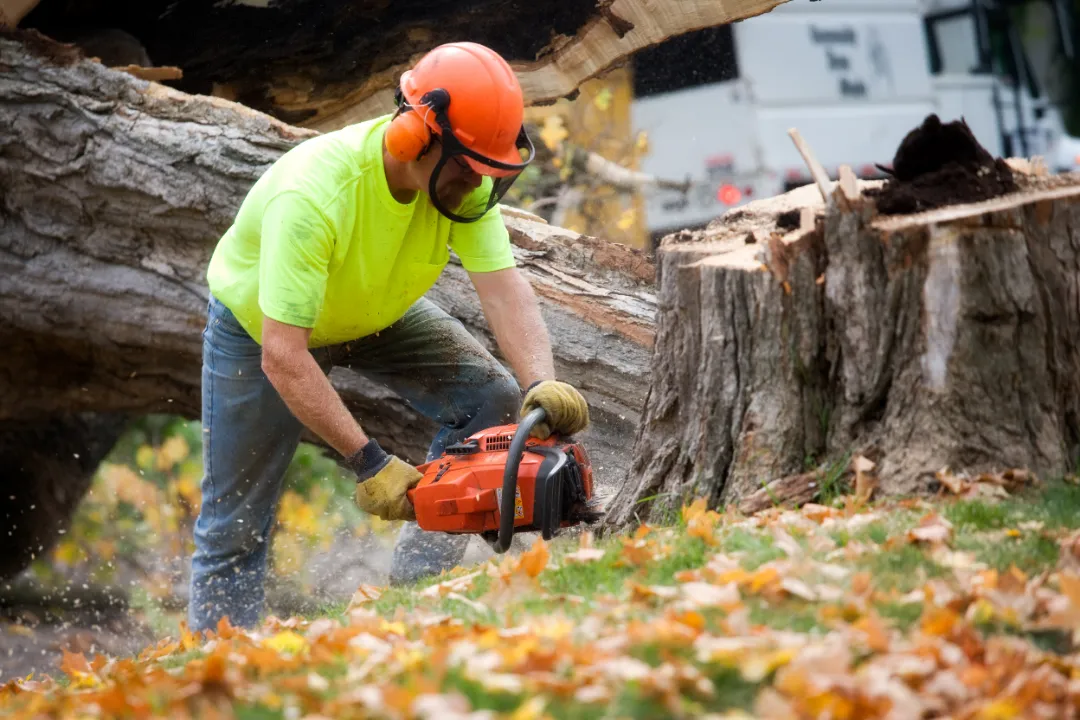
(510, 473)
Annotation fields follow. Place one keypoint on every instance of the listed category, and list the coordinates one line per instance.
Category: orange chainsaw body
(461, 491)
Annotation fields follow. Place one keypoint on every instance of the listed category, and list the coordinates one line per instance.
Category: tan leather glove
(383, 481)
(567, 411)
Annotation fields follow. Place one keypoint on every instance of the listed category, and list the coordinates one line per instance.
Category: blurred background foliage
(137, 519)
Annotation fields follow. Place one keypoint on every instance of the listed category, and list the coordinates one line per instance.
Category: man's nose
(474, 179)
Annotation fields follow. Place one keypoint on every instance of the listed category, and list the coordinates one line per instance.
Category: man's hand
(567, 411)
(382, 483)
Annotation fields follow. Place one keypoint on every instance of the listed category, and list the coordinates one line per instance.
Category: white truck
(854, 76)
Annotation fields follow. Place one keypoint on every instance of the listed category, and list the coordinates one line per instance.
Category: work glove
(382, 483)
(567, 411)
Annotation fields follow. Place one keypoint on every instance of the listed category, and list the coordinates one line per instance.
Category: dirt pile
(941, 164)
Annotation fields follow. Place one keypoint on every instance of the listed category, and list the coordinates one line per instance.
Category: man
(326, 264)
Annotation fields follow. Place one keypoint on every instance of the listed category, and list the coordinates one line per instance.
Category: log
(326, 64)
(113, 193)
(931, 337)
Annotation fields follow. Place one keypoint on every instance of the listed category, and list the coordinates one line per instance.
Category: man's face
(456, 179)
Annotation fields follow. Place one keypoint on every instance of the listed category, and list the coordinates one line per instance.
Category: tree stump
(942, 337)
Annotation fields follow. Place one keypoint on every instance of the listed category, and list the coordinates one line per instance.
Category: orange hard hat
(467, 95)
(486, 108)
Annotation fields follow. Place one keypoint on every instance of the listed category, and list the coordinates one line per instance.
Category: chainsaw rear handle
(510, 475)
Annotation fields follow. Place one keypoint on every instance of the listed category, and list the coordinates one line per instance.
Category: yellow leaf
(144, 457)
(981, 611)
(641, 143)
(757, 666)
(68, 552)
(603, 99)
(531, 709)
(626, 219)
(171, 452)
(286, 642)
(553, 132)
(1003, 709)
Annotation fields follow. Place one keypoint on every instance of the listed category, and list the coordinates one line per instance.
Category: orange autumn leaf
(872, 627)
(695, 509)
(636, 552)
(535, 559)
(73, 663)
(939, 621)
(364, 594)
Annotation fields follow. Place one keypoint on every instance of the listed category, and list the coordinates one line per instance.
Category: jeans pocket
(226, 335)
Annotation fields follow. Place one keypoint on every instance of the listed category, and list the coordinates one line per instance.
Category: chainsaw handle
(510, 474)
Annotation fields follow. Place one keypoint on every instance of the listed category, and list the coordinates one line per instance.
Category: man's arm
(511, 310)
(305, 389)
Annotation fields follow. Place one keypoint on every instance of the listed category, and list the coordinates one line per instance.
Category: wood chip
(153, 74)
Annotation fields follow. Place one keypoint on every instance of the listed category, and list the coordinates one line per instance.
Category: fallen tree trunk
(326, 64)
(113, 192)
(949, 337)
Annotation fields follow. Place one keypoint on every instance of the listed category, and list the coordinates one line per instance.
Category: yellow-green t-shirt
(320, 242)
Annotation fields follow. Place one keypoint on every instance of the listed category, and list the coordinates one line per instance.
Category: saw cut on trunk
(113, 194)
(925, 322)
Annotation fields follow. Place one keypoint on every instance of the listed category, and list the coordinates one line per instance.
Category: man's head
(459, 125)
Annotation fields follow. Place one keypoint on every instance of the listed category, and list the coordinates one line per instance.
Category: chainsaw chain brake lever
(510, 473)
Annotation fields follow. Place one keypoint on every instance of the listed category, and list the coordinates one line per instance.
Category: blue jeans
(250, 437)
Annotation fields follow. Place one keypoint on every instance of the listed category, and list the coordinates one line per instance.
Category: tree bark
(113, 193)
(616, 31)
(326, 64)
(946, 338)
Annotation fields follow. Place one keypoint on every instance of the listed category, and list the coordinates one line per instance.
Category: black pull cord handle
(510, 474)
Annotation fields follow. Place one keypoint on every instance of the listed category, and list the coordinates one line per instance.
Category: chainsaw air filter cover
(461, 492)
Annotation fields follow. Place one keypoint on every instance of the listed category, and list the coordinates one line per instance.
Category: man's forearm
(312, 399)
(520, 332)
(528, 347)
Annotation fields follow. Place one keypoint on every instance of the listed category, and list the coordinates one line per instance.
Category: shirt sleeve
(297, 243)
(484, 245)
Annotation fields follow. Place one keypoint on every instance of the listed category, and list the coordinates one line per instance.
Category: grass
(629, 611)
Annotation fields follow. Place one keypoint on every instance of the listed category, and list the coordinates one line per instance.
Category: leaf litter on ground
(890, 609)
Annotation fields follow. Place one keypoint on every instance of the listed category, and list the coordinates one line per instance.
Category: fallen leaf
(364, 595)
(533, 561)
(865, 482)
(584, 555)
(286, 642)
(701, 594)
(932, 528)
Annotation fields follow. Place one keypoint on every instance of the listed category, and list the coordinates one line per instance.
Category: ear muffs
(407, 136)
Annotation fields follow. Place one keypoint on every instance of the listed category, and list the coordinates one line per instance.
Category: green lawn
(960, 608)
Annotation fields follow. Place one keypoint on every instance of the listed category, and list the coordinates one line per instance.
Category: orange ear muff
(407, 136)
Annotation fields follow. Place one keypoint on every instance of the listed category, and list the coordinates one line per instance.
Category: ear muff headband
(408, 136)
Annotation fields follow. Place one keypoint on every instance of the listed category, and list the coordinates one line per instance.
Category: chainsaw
(501, 480)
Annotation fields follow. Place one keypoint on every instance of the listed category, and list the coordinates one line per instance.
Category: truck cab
(854, 76)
